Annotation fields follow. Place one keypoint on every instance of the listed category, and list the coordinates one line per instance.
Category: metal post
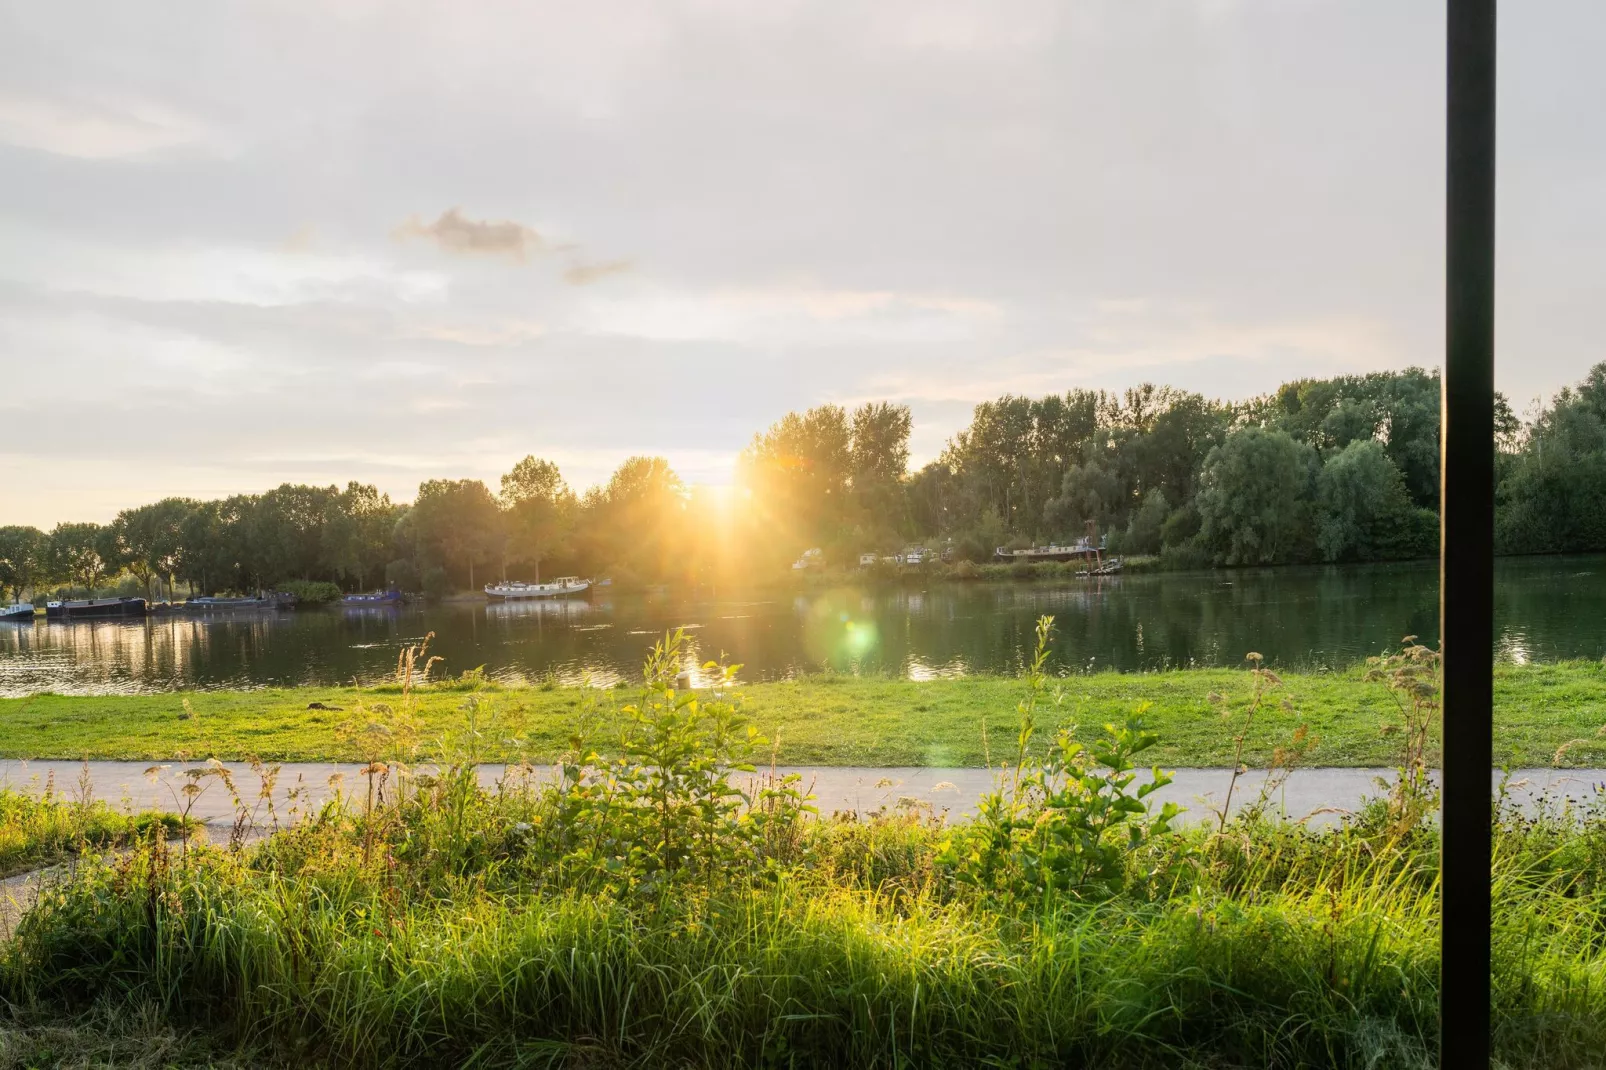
(1466, 536)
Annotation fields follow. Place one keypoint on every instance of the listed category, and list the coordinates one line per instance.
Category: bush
(1182, 556)
(311, 592)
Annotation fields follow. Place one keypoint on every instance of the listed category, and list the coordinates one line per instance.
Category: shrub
(311, 592)
(1067, 823)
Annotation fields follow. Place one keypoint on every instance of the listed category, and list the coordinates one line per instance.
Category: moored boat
(1081, 549)
(209, 604)
(562, 587)
(96, 608)
(17, 611)
(373, 598)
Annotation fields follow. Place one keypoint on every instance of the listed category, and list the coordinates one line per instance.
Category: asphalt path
(1319, 794)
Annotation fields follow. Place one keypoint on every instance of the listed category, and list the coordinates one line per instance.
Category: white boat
(17, 611)
(562, 587)
(814, 558)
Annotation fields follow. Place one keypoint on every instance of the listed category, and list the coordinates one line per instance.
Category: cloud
(456, 233)
(826, 303)
(92, 131)
(304, 240)
(583, 274)
(1125, 342)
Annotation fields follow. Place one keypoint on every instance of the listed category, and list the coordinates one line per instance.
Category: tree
(356, 533)
(637, 520)
(1167, 450)
(540, 510)
(1366, 513)
(1398, 409)
(284, 532)
(459, 520)
(798, 473)
(1148, 520)
(934, 494)
(1551, 495)
(214, 552)
(82, 554)
(1255, 498)
(878, 460)
(149, 539)
(1091, 493)
(22, 558)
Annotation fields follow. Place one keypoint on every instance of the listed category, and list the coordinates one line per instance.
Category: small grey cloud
(456, 233)
(583, 274)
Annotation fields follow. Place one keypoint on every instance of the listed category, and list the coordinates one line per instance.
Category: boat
(1082, 548)
(93, 608)
(814, 558)
(209, 604)
(17, 611)
(371, 599)
(562, 587)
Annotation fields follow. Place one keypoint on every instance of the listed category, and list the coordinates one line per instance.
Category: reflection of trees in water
(1546, 608)
(1551, 607)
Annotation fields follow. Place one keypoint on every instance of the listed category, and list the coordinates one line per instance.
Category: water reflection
(564, 609)
(1547, 608)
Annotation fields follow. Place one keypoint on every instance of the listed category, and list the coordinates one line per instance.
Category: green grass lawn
(835, 720)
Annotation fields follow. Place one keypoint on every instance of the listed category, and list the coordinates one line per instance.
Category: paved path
(863, 789)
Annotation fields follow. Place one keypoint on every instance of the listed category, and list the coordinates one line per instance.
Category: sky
(243, 244)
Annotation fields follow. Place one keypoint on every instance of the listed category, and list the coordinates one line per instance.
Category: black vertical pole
(1466, 536)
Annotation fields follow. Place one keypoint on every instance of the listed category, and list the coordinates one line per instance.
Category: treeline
(1342, 469)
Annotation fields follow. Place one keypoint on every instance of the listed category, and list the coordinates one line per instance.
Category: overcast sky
(242, 244)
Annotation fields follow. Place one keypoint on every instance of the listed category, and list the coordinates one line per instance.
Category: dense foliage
(1342, 469)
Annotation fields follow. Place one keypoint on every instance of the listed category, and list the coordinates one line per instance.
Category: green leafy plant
(1072, 821)
(658, 803)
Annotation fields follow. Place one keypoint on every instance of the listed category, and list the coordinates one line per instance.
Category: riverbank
(823, 720)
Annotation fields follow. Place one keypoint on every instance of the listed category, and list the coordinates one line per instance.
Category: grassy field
(833, 720)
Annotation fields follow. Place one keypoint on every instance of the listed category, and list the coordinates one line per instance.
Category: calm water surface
(1546, 608)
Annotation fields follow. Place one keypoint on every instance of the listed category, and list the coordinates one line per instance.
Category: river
(1546, 609)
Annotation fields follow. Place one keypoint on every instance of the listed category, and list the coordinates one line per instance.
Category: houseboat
(17, 611)
(95, 608)
(562, 587)
(373, 598)
(1082, 548)
(209, 604)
